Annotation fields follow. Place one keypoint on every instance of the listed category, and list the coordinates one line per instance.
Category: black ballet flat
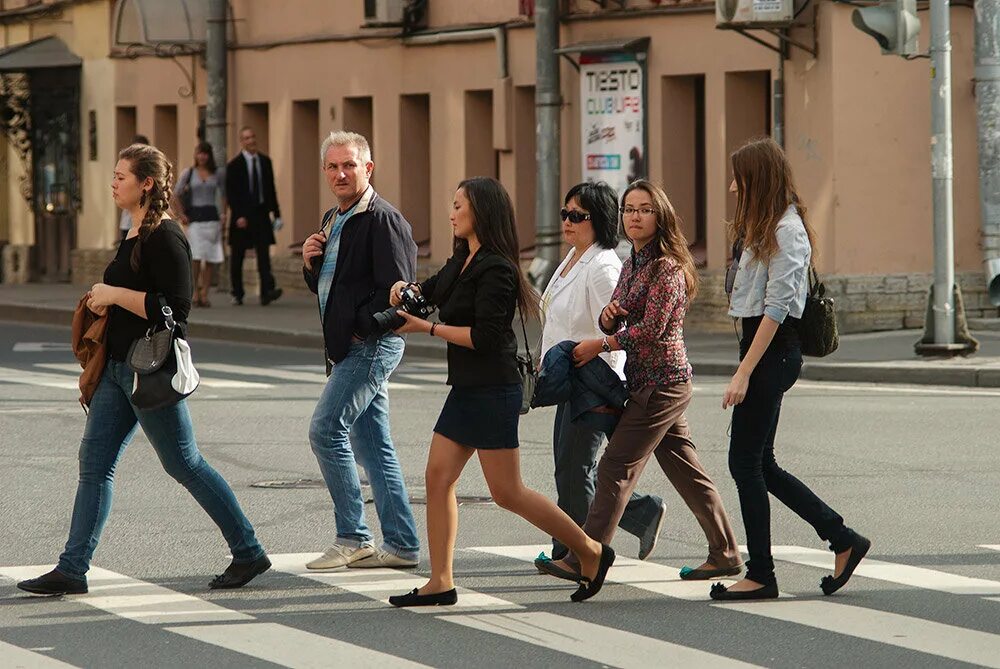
(720, 593)
(590, 587)
(547, 566)
(239, 574)
(414, 598)
(859, 550)
(689, 574)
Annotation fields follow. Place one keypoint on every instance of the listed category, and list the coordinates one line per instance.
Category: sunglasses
(573, 216)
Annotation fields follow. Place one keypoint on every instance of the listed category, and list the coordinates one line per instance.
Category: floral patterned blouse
(653, 292)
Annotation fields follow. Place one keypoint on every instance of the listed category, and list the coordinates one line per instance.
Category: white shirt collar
(249, 156)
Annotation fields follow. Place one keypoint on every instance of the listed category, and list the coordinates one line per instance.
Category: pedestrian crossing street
(571, 632)
(226, 376)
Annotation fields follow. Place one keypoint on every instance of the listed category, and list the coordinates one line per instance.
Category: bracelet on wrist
(433, 325)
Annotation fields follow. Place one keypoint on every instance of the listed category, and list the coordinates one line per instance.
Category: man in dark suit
(252, 201)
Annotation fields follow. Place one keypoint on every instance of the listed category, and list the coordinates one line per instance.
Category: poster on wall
(612, 118)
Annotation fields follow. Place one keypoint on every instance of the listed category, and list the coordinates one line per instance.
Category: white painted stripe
(41, 346)
(283, 374)
(917, 577)
(15, 657)
(595, 643)
(716, 388)
(648, 576)
(430, 378)
(291, 647)
(992, 547)
(8, 375)
(208, 382)
(137, 600)
(947, 641)
(379, 584)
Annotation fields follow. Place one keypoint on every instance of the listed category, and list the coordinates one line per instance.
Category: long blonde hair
(764, 191)
(670, 241)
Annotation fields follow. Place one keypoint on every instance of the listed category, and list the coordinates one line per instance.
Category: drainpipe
(987, 78)
(548, 105)
(497, 34)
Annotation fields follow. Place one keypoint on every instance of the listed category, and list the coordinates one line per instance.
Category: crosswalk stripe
(917, 577)
(292, 647)
(648, 576)
(152, 604)
(992, 547)
(925, 636)
(8, 375)
(378, 584)
(15, 657)
(596, 643)
(208, 382)
(283, 374)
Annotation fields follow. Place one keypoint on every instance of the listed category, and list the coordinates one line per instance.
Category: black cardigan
(483, 297)
(165, 269)
(376, 251)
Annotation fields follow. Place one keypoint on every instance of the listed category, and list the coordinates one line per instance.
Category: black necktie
(255, 185)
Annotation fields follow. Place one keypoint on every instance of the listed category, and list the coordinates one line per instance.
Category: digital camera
(412, 302)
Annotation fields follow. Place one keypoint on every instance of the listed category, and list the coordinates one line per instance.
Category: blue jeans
(575, 447)
(110, 425)
(352, 421)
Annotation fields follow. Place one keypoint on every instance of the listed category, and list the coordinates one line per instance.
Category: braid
(148, 161)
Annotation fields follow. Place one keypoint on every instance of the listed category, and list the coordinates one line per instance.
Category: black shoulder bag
(161, 361)
(818, 325)
(526, 368)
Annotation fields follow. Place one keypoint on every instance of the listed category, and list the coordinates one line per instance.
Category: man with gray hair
(363, 247)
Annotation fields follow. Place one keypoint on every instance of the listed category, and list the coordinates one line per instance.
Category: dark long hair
(205, 147)
(148, 161)
(764, 191)
(495, 227)
(601, 202)
(670, 240)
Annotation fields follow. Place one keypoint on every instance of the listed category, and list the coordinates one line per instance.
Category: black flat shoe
(271, 296)
(54, 583)
(590, 587)
(414, 598)
(720, 593)
(859, 550)
(688, 574)
(547, 567)
(239, 574)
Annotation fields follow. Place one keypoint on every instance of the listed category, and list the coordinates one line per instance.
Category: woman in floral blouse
(646, 319)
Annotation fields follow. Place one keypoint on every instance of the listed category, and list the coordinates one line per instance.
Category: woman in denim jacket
(769, 295)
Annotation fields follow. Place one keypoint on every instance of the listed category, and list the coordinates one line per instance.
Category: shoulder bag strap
(524, 332)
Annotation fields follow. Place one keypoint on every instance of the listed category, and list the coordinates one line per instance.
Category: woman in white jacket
(571, 305)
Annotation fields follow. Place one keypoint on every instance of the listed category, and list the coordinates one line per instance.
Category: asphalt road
(917, 469)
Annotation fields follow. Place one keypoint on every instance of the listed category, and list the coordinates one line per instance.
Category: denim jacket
(776, 290)
(593, 385)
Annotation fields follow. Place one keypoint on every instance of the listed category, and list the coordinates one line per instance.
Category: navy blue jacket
(585, 388)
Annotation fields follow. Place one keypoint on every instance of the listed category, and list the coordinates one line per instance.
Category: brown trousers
(654, 423)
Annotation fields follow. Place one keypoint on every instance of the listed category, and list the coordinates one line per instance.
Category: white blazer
(573, 308)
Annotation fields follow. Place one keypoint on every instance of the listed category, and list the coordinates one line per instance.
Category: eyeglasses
(573, 216)
(644, 212)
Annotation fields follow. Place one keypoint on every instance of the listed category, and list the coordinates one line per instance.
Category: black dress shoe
(54, 583)
(239, 574)
(590, 587)
(236, 301)
(270, 296)
(720, 593)
(414, 598)
(859, 550)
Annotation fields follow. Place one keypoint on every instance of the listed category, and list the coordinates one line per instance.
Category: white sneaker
(340, 556)
(381, 558)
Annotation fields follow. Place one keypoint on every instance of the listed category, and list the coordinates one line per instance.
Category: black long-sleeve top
(165, 269)
(483, 297)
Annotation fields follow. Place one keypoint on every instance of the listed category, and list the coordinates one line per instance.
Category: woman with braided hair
(152, 263)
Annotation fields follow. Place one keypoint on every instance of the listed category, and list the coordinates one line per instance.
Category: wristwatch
(605, 346)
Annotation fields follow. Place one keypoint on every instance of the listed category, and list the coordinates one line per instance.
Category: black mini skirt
(481, 416)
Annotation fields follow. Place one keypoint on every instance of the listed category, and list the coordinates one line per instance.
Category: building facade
(455, 97)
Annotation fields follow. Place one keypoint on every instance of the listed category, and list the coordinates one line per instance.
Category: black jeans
(575, 448)
(752, 463)
(263, 268)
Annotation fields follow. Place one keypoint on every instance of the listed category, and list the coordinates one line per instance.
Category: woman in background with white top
(571, 304)
(199, 202)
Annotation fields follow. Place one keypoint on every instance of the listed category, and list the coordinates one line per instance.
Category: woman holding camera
(769, 295)
(478, 292)
(645, 318)
(572, 302)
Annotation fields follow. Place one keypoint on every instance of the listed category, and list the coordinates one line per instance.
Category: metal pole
(941, 174)
(548, 103)
(987, 78)
(779, 98)
(215, 64)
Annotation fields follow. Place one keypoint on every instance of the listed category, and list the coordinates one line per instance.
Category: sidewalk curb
(420, 347)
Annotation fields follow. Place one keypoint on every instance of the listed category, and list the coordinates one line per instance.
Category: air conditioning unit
(754, 13)
(380, 13)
